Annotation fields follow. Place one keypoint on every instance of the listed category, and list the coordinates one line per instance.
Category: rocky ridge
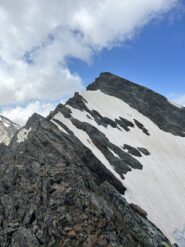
(54, 190)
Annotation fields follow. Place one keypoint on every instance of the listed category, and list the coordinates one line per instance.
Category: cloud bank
(37, 39)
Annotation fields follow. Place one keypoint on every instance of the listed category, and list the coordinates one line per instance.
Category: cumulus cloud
(19, 114)
(37, 39)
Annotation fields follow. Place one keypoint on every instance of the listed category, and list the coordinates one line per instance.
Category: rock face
(7, 130)
(75, 178)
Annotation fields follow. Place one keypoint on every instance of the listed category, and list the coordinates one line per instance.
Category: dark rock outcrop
(143, 151)
(124, 123)
(132, 150)
(141, 126)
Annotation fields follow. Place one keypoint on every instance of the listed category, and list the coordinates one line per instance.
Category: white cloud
(179, 99)
(38, 38)
(20, 114)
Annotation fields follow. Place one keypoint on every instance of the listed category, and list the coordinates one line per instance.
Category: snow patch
(6, 124)
(23, 135)
(180, 237)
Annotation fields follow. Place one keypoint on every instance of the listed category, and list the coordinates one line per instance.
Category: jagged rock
(141, 211)
(143, 151)
(141, 126)
(24, 238)
(132, 150)
(124, 123)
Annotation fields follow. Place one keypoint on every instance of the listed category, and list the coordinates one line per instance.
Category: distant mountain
(7, 130)
(105, 169)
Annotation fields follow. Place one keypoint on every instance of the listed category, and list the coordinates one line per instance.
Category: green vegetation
(164, 244)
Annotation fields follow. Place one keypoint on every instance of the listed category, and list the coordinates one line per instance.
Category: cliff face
(95, 172)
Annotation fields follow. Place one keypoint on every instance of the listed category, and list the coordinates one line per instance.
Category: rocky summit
(104, 170)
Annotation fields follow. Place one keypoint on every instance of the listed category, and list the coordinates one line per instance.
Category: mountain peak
(158, 108)
(105, 79)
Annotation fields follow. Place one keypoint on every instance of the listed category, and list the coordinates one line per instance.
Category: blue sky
(155, 58)
(48, 52)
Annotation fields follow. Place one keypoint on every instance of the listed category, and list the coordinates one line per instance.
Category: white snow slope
(159, 188)
(7, 130)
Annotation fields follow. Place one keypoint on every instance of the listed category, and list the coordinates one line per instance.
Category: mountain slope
(138, 135)
(7, 130)
(64, 179)
(55, 192)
